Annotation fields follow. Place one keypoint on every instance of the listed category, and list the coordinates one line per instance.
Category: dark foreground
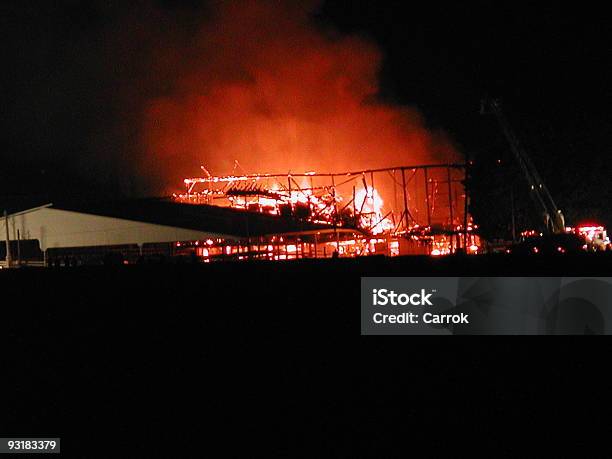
(266, 358)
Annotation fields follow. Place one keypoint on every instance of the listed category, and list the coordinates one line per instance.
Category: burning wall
(415, 197)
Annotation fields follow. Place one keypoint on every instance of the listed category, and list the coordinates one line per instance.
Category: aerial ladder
(553, 217)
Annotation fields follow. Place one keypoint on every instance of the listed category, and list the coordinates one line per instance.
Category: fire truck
(559, 236)
(596, 237)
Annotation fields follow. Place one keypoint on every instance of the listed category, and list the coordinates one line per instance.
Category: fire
(262, 84)
(319, 204)
(259, 84)
(370, 206)
(369, 200)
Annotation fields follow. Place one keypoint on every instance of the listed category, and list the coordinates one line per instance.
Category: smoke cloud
(114, 97)
(260, 83)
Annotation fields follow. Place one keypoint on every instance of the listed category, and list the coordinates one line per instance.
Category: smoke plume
(260, 83)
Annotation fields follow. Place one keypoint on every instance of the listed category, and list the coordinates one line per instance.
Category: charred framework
(349, 200)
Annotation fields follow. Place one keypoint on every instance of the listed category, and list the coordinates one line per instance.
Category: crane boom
(553, 217)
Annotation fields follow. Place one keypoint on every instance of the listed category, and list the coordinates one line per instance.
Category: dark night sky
(549, 64)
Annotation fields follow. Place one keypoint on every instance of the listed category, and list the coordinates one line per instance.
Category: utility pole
(466, 204)
(336, 214)
(18, 249)
(8, 241)
(427, 198)
(405, 214)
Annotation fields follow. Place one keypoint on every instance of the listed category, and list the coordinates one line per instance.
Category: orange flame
(262, 85)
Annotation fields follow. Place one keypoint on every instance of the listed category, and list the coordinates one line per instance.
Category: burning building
(419, 210)
(392, 211)
(261, 83)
